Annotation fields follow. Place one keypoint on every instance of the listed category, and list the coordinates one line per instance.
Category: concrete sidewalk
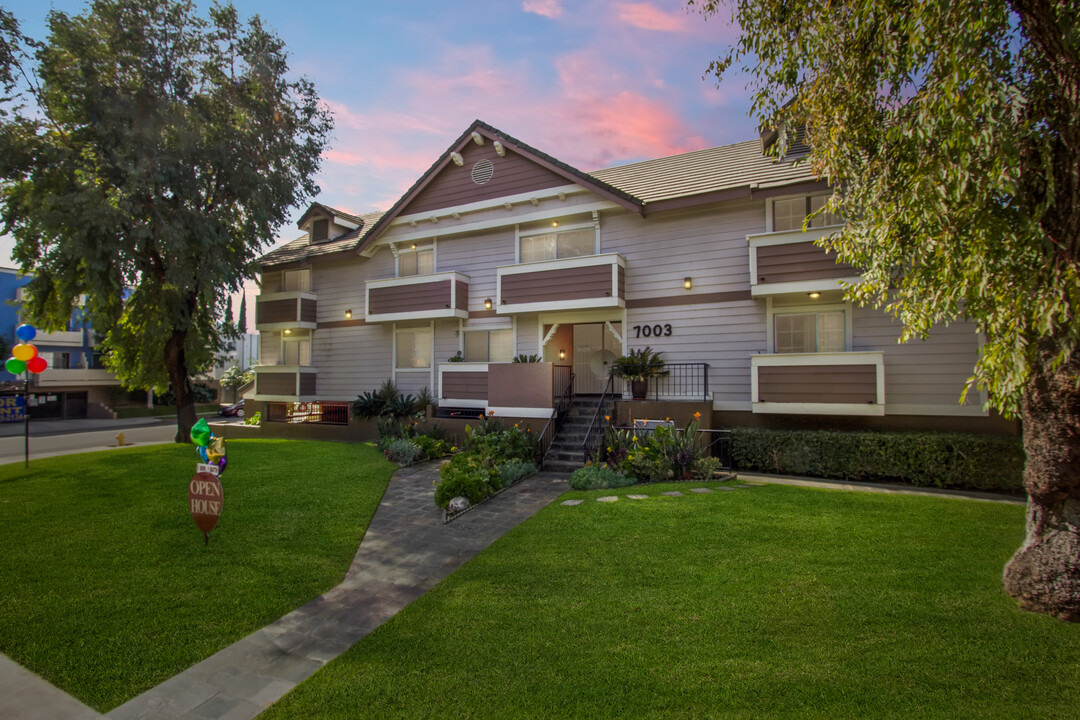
(44, 428)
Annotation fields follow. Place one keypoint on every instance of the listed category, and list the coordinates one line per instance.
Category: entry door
(594, 350)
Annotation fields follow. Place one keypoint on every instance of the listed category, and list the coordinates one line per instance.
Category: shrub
(255, 419)
(501, 446)
(469, 475)
(514, 471)
(598, 477)
(432, 447)
(403, 452)
(704, 467)
(948, 460)
(524, 358)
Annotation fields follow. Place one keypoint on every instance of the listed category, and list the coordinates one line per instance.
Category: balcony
(285, 382)
(789, 262)
(64, 338)
(285, 311)
(418, 297)
(847, 383)
(507, 389)
(59, 377)
(579, 283)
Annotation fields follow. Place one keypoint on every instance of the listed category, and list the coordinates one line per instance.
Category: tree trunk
(1044, 574)
(176, 366)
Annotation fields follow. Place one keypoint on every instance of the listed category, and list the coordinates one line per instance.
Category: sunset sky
(593, 82)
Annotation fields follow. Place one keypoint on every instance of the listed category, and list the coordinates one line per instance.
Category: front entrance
(595, 348)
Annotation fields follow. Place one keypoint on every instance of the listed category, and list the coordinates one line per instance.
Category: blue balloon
(202, 453)
(26, 332)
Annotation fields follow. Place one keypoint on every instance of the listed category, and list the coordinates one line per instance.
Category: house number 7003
(652, 330)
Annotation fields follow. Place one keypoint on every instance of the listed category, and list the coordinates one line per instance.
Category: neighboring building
(500, 249)
(76, 384)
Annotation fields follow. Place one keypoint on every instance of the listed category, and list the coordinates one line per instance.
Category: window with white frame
(558, 244)
(416, 261)
(489, 345)
(296, 351)
(413, 349)
(789, 213)
(809, 332)
(296, 280)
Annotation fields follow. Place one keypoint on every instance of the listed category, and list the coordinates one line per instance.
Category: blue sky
(593, 82)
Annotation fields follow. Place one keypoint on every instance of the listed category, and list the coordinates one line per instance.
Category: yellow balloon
(24, 352)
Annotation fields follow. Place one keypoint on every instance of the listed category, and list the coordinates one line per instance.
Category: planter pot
(639, 389)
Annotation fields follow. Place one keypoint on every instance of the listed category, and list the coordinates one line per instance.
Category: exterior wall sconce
(414, 246)
(348, 314)
(288, 332)
(562, 354)
(554, 223)
(487, 304)
(688, 283)
(814, 295)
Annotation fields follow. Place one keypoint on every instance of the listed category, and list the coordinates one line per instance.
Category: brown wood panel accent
(465, 385)
(454, 185)
(579, 283)
(433, 295)
(307, 383)
(520, 385)
(275, 383)
(622, 281)
(688, 299)
(275, 311)
(474, 314)
(797, 262)
(308, 310)
(818, 384)
(462, 293)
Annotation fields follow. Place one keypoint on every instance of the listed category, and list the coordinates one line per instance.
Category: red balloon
(37, 364)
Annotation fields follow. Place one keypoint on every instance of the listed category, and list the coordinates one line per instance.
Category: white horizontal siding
(351, 360)
(269, 348)
(339, 284)
(477, 256)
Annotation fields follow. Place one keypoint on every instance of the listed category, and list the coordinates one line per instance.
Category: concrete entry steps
(566, 454)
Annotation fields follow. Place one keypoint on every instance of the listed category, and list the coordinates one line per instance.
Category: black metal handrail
(683, 380)
(554, 423)
(586, 444)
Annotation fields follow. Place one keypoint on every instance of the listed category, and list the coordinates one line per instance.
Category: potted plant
(637, 366)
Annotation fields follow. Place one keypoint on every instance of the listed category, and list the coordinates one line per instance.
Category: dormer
(325, 224)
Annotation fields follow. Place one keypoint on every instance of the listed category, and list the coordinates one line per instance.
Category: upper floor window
(489, 345)
(320, 230)
(296, 351)
(296, 280)
(789, 214)
(558, 244)
(416, 262)
(810, 332)
(413, 349)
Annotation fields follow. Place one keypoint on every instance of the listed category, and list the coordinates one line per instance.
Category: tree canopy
(155, 155)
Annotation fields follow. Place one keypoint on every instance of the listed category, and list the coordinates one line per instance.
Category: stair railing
(554, 423)
(587, 448)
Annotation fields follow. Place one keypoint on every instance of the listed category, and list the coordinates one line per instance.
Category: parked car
(234, 410)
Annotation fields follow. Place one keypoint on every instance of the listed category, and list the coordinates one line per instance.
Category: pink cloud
(547, 8)
(649, 17)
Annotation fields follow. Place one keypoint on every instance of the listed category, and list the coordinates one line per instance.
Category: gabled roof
(302, 249)
(332, 212)
(572, 174)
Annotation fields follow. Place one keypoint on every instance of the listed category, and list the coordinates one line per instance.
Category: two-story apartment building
(500, 249)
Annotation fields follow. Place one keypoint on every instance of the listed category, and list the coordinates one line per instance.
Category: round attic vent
(482, 171)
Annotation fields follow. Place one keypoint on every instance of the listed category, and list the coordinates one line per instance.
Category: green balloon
(200, 432)
(15, 366)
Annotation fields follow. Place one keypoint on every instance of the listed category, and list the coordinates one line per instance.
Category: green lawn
(107, 586)
(766, 602)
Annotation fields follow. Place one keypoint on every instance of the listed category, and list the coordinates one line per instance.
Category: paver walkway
(405, 552)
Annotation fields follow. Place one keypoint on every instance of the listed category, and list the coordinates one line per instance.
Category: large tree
(951, 132)
(155, 155)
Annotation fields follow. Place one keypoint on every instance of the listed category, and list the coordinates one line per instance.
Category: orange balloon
(24, 352)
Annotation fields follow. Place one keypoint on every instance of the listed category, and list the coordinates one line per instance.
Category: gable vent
(482, 171)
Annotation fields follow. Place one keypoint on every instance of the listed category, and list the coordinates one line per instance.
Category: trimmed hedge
(946, 460)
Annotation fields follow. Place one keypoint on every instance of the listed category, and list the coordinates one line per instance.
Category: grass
(108, 587)
(767, 602)
(137, 411)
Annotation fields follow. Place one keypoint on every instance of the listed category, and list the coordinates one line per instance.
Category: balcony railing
(590, 281)
(514, 389)
(844, 383)
(789, 262)
(285, 382)
(418, 297)
(56, 377)
(684, 381)
(286, 311)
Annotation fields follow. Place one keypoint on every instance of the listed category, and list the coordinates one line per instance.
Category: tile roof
(334, 212)
(703, 171)
(300, 248)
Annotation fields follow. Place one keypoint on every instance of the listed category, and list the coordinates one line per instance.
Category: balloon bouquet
(211, 449)
(24, 356)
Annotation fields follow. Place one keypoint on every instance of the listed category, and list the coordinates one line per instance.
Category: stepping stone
(638, 497)
(572, 502)
(673, 493)
(607, 498)
(700, 490)
(725, 487)
(742, 486)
